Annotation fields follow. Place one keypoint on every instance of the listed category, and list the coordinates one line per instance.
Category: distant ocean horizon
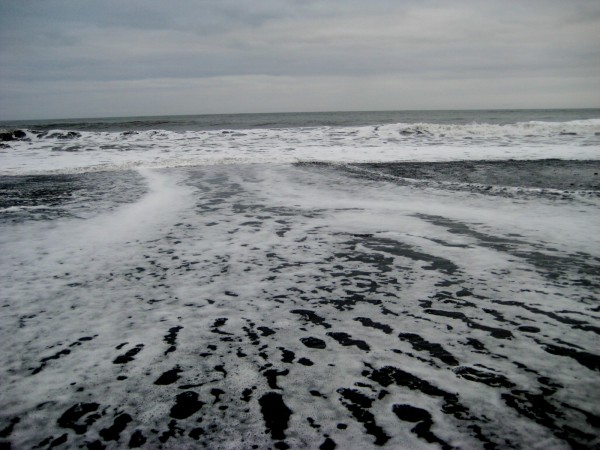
(307, 119)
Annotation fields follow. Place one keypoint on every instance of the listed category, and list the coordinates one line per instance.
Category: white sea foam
(252, 243)
(57, 151)
(233, 242)
(11, 209)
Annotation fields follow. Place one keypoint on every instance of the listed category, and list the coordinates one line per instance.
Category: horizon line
(83, 118)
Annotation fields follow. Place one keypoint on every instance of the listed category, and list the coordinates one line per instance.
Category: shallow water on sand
(256, 306)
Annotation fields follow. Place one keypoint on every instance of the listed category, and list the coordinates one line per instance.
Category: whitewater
(306, 281)
(67, 151)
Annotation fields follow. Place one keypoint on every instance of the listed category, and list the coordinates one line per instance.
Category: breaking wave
(62, 150)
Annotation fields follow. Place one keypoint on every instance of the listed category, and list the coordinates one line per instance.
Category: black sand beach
(307, 306)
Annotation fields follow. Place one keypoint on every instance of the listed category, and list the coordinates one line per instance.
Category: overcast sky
(92, 58)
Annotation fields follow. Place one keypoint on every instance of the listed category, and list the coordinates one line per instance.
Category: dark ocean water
(307, 119)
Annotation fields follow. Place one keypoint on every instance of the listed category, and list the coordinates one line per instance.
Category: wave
(63, 150)
(474, 129)
(520, 129)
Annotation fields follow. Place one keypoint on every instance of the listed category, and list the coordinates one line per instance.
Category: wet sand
(542, 174)
(308, 306)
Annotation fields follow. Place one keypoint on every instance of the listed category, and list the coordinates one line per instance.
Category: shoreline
(327, 307)
(558, 174)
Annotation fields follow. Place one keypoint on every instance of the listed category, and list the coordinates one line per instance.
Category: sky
(101, 58)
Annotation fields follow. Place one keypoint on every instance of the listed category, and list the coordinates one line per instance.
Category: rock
(14, 135)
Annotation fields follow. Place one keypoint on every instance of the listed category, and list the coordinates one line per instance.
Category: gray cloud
(56, 48)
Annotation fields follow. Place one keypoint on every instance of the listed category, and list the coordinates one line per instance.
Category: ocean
(412, 279)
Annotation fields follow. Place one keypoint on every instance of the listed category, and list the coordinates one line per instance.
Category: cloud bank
(80, 58)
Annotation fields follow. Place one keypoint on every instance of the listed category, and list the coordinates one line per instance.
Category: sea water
(398, 279)
(118, 144)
